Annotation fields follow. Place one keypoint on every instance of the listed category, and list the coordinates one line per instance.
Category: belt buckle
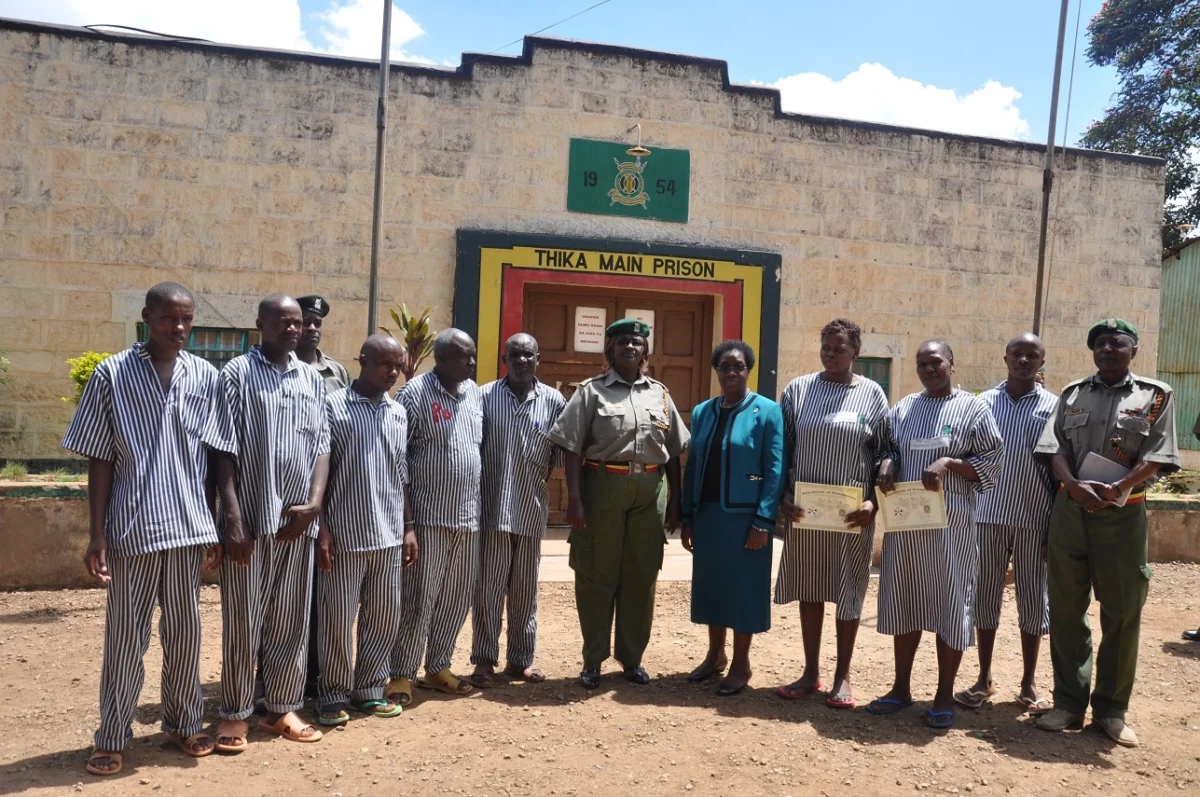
(637, 467)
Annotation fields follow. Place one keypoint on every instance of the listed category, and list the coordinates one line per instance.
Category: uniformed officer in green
(623, 437)
(1097, 541)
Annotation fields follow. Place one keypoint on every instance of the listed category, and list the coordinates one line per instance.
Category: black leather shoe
(590, 678)
(637, 675)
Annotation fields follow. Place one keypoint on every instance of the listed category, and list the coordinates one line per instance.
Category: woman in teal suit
(731, 489)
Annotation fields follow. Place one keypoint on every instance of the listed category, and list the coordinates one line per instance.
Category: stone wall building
(126, 160)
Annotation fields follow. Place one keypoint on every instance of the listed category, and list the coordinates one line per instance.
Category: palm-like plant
(415, 334)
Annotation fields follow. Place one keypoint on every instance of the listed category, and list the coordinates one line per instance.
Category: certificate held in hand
(826, 506)
(910, 507)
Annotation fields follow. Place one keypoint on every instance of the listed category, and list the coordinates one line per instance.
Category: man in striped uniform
(1013, 520)
(315, 309)
(143, 423)
(366, 538)
(272, 476)
(1111, 433)
(445, 431)
(518, 456)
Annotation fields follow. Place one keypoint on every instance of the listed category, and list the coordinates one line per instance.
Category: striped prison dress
(517, 459)
(445, 432)
(157, 526)
(364, 513)
(272, 421)
(834, 434)
(928, 578)
(1014, 518)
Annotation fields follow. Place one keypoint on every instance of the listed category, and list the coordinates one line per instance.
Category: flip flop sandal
(191, 745)
(940, 719)
(841, 700)
(1035, 708)
(234, 730)
(882, 706)
(291, 730)
(384, 709)
(332, 718)
(972, 698)
(799, 693)
(99, 754)
(483, 680)
(445, 681)
(536, 676)
(399, 691)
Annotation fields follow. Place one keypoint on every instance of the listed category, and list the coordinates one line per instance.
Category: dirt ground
(667, 738)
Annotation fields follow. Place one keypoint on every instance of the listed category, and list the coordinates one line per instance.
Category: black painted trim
(465, 71)
(466, 280)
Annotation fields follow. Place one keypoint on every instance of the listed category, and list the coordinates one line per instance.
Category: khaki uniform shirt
(610, 420)
(1133, 421)
(333, 372)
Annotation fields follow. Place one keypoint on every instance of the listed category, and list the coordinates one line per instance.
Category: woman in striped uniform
(834, 430)
(944, 438)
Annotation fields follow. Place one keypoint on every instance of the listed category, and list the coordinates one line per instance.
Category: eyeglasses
(729, 370)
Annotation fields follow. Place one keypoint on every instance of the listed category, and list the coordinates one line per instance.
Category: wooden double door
(565, 322)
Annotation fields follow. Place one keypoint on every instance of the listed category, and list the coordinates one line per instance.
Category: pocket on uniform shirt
(1131, 433)
(194, 412)
(610, 419)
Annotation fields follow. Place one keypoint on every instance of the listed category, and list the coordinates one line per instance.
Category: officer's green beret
(314, 304)
(1111, 325)
(628, 326)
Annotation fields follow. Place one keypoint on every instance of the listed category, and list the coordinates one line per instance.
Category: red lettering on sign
(440, 413)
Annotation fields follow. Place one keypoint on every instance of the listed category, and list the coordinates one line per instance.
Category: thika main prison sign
(604, 177)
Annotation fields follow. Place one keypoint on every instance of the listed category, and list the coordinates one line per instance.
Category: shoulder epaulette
(1163, 386)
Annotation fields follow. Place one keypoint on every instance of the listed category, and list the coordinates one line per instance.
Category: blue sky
(939, 64)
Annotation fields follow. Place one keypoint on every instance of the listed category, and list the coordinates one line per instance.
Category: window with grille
(215, 344)
(878, 369)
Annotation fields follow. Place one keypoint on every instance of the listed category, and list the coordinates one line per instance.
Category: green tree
(82, 368)
(416, 335)
(1155, 47)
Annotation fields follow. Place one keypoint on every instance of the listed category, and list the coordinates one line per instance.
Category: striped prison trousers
(171, 579)
(436, 598)
(367, 584)
(1027, 547)
(264, 617)
(509, 571)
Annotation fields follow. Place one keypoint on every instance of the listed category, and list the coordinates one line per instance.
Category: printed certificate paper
(911, 507)
(826, 506)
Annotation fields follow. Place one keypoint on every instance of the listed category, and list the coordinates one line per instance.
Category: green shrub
(13, 472)
(82, 368)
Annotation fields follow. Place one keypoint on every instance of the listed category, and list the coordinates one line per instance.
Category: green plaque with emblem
(605, 178)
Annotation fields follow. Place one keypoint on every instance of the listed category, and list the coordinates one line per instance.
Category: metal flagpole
(385, 67)
(1048, 173)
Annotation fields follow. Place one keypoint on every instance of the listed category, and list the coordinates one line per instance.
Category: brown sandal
(535, 676)
(291, 728)
(191, 745)
(100, 754)
(231, 736)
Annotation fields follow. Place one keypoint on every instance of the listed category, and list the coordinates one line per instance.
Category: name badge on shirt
(930, 443)
(845, 416)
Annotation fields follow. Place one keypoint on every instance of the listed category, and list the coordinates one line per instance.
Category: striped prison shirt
(518, 456)
(156, 440)
(1025, 485)
(445, 432)
(364, 503)
(273, 422)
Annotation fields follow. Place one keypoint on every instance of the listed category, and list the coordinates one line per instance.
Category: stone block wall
(238, 172)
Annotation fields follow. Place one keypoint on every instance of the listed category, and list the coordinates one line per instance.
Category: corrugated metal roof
(1179, 247)
(1179, 336)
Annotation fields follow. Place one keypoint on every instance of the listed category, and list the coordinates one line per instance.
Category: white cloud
(873, 93)
(354, 27)
(259, 23)
(344, 27)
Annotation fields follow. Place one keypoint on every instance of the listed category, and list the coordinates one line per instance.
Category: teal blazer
(752, 469)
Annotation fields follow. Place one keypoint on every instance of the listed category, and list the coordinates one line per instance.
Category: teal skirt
(731, 586)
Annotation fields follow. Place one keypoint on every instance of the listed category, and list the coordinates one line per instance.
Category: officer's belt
(1134, 498)
(624, 468)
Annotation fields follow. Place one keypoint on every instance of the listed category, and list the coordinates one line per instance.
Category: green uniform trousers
(1105, 552)
(616, 558)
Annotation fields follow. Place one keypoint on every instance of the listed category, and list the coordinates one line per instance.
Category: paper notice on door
(647, 318)
(590, 323)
